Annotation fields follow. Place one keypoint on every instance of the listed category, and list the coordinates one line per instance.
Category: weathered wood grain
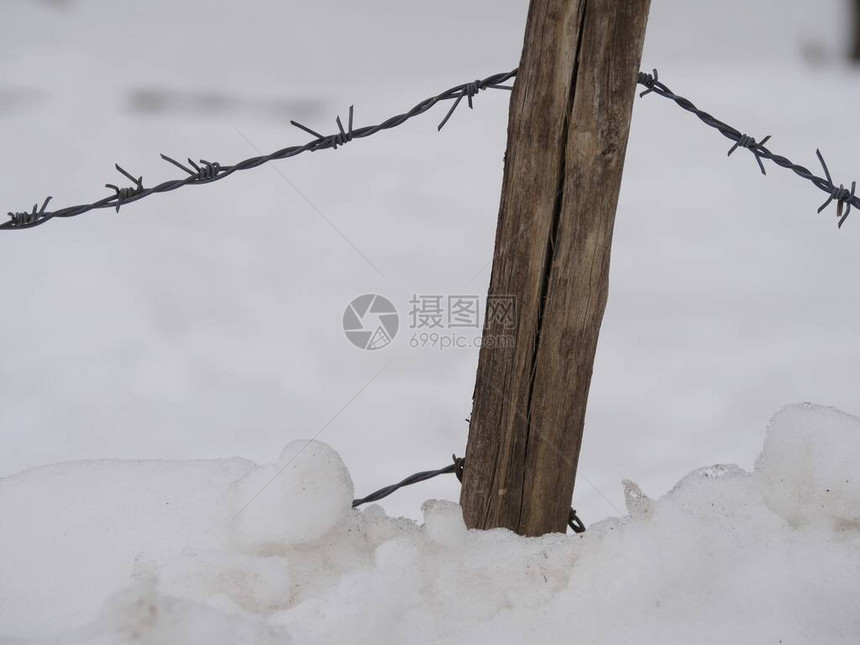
(567, 137)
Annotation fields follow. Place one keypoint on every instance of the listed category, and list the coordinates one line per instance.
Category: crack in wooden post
(567, 137)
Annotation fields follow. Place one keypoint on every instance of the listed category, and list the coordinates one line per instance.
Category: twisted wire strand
(843, 197)
(208, 172)
(457, 468)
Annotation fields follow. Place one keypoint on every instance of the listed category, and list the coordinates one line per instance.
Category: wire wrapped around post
(457, 467)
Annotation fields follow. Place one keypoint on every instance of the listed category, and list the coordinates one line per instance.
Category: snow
(207, 322)
(295, 500)
(142, 615)
(799, 467)
(153, 552)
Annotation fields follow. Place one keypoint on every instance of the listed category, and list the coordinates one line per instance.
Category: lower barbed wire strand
(457, 468)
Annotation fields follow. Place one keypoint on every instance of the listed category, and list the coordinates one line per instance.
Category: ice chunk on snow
(443, 522)
(638, 503)
(298, 499)
(810, 460)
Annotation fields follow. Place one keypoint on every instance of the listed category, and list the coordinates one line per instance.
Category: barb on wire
(23, 218)
(124, 194)
(648, 81)
(469, 90)
(209, 172)
(750, 144)
(843, 197)
(332, 141)
(457, 467)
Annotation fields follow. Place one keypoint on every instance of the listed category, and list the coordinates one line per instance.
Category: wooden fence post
(567, 137)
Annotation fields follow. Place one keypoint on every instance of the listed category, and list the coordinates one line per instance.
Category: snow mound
(299, 498)
(226, 552)
(142, 615)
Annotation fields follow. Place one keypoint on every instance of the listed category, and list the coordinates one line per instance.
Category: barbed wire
(843, 197)
(457, 467)
(207, 172)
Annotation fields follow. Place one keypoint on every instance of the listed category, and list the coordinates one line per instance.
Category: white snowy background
(207, 323)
